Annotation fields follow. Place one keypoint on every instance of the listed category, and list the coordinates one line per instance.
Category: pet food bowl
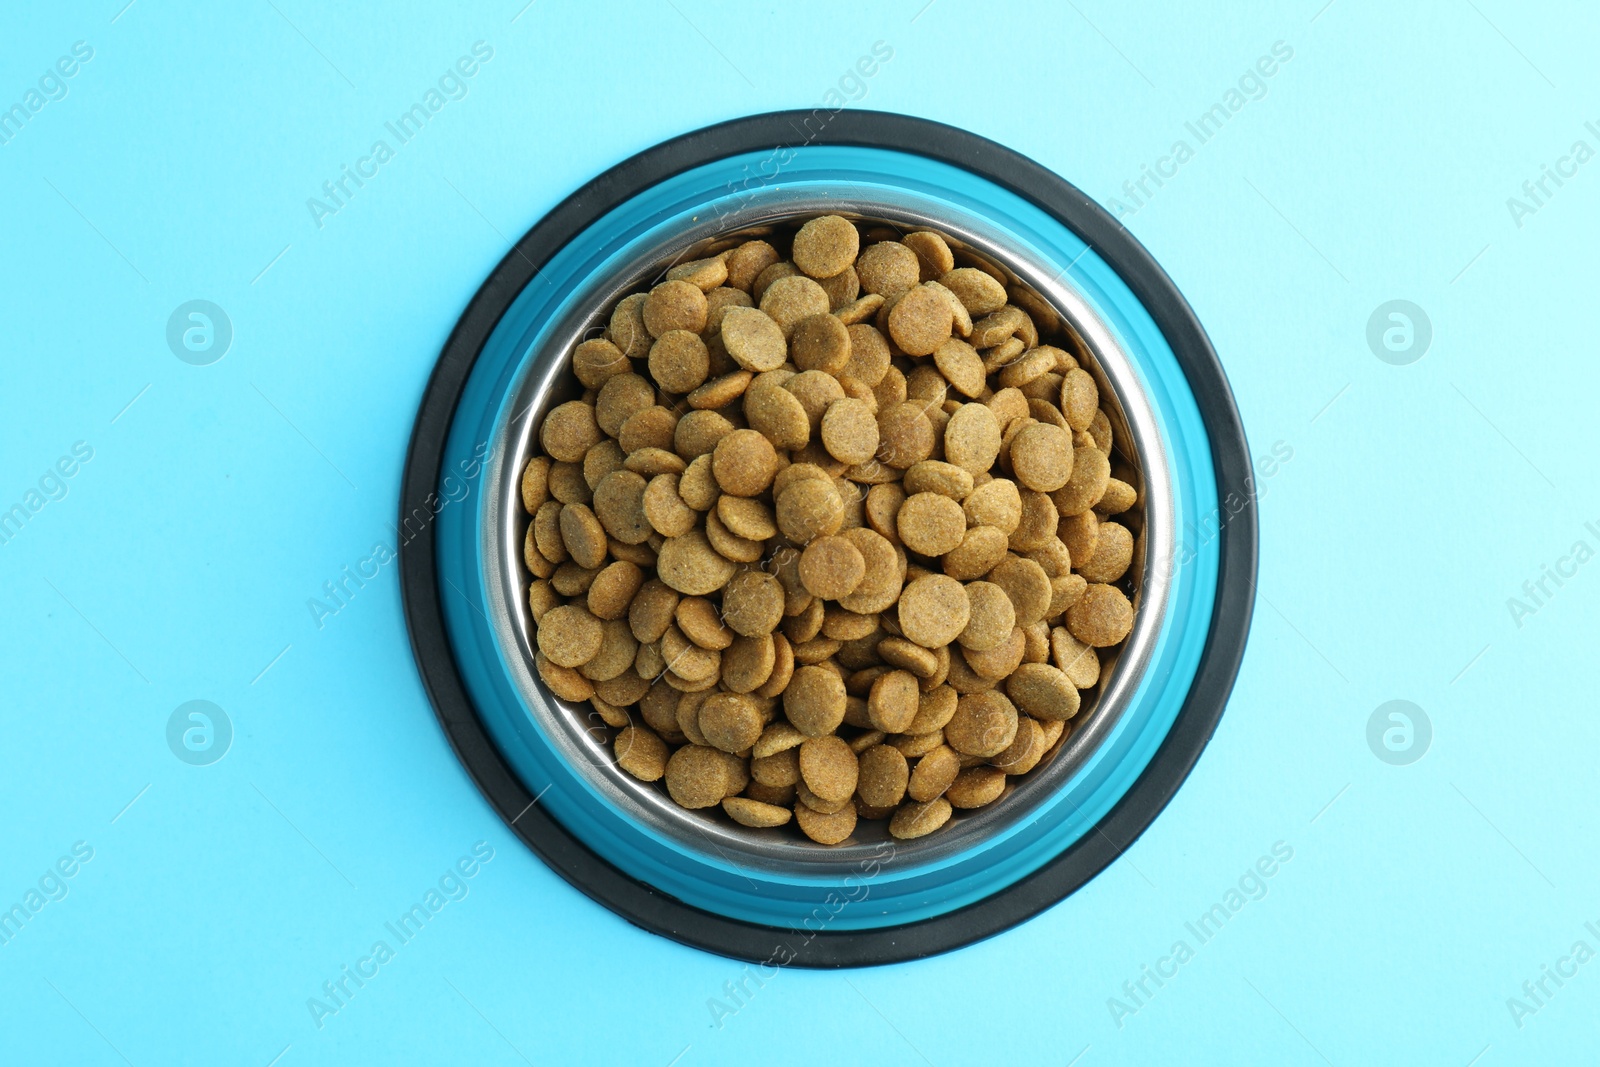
(772, 896)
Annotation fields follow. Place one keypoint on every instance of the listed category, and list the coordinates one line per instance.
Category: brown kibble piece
(1043, 691)
(826, 246)
(754, 340)
(697, 776)
(1079, 662)
(1080, 398)
(809, 508)
(564, 682)
(613, 589)
(826, 829)
(627, 330)
(1041, 455)
(921, 321)
(882, 777)
(850, 431)
(984, 724)
(652, 610)
(933, 254)
(919, 820)
(619, 507)
(788, 300)
(569, 431)
(690, 565)
(1091, 474)
(641, 753)
(679, 361)
(536, 483)
(888, 268)
(752, 603)
(1080, 533)
(828, 768)
(815, 701)
(978, 292)
(753, 813)
(992, 618)
(1113, 552)
(975, 787)
(981, 549)
(931, 524)
(732, 721)
(622, 397)
(995, 503)
(747, 261)
(831, 567)
(934, 610)
(1101, 617)
(569, 636)
(703, 274)
(933, 774)
(1118, 497)
(1026, 583)
(905, 435)
(744, 463)
(972, 438)
(674, 305)
(893, 701)
(821, 343)
(664, 509)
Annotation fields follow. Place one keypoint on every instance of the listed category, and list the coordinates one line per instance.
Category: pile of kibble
(828, 537)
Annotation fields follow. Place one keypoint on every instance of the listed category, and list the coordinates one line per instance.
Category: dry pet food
(834, 530)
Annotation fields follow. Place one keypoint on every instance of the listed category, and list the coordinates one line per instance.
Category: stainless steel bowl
(547, 381)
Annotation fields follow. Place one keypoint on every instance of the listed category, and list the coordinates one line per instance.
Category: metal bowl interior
(1064, 318)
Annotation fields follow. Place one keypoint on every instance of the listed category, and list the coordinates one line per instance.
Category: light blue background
(1419, 498)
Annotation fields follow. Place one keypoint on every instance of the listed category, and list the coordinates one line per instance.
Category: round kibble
(808, 509)
(893, 701)
(675, 305)
(984, 724)
(831, 567)
(828, 768)
(850, 431)
(888, 268)
(626, 329)
(905, 435)
(931, 524)
(753, 813)
(788, 300)
(691, 566)
(918, 820)
(814, 702)
(679, 361)
(731, 721)
(569, 636)
(1101, 617)
(826, 829)
(744, 463)
(883, 774)
(934, 610)
(933, 774)
(1043, 691)
(921, 321)
(752, 603)
(697, 776)
(1041, 454)
(753, 339)
(641, 753)
(826, 246)
(992, 617)
(1113, 552)
(569, 431)
(975, 787)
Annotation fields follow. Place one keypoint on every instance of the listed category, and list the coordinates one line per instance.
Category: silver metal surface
(545, 381)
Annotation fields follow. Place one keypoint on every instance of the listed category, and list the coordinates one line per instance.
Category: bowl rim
(1076, 864)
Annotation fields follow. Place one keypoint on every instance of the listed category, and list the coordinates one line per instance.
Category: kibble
(830, 537)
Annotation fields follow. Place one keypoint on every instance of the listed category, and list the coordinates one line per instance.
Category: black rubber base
(1230, 623)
